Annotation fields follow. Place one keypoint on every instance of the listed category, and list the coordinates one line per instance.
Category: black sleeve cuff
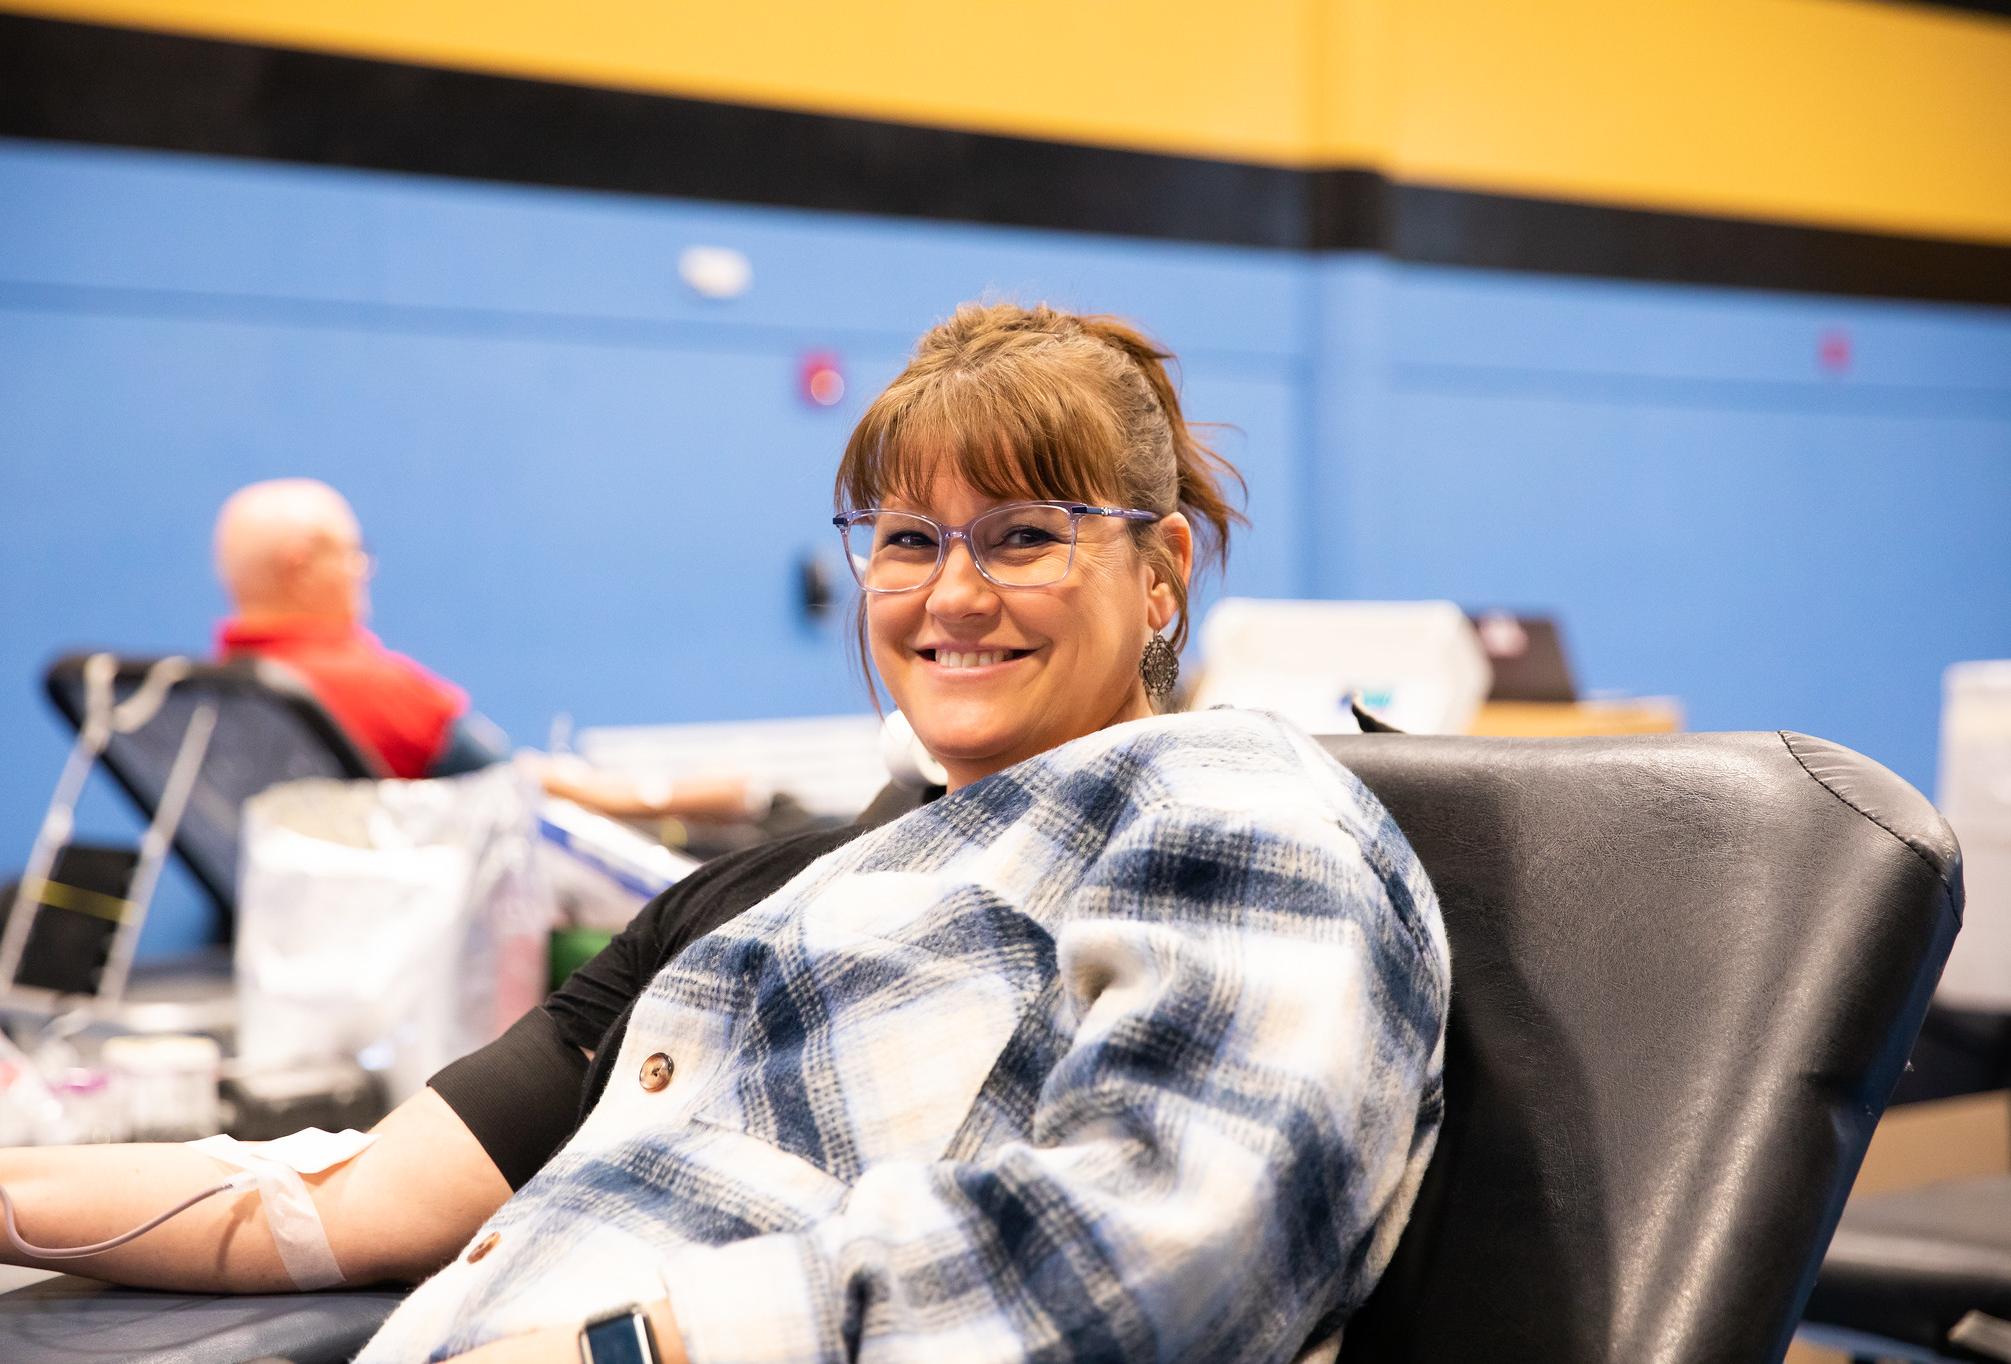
(520, 1095)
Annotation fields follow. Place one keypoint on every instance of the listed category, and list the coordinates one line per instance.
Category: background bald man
(291, 556)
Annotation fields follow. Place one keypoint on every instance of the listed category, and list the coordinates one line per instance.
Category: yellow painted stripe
(1845, 113)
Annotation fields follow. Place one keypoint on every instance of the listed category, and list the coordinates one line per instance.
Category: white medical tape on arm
(277, 1166)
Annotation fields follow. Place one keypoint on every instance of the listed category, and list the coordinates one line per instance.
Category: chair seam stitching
(1940, 876)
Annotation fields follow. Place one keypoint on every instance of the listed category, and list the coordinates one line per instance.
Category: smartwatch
(621, 1337)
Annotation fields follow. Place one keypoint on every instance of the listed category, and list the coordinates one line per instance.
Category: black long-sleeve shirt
(524, 1093)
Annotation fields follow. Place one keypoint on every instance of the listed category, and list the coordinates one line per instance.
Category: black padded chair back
(269, 729)
(1686, 974)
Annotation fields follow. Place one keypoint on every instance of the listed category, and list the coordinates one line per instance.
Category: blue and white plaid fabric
(1132, 1051)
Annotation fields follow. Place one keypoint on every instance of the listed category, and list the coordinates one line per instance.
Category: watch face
(619, 1340)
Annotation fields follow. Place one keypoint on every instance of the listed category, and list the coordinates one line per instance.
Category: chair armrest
(69, 1320)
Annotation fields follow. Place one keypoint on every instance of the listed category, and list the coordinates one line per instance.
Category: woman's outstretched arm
(398, 1210)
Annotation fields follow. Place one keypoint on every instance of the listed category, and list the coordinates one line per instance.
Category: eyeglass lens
(1016, 546)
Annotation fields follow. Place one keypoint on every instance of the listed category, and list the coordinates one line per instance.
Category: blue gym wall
(588, 488)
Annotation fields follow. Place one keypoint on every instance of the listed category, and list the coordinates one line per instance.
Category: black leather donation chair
(269, 729)
(1686, 972)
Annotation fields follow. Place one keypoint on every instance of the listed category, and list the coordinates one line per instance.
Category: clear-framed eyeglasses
(1019, 544)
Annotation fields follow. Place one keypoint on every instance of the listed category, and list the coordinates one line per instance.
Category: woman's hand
(553, 1345)
(561, 1344)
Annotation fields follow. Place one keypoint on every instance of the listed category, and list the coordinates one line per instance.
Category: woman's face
(1066, 655)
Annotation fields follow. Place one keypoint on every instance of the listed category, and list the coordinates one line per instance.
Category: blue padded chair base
(1905, 1267)
(68, 1320)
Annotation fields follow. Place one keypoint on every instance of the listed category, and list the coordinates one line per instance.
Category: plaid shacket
(1131, 1051)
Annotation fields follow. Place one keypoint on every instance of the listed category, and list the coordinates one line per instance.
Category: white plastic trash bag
(401, 923)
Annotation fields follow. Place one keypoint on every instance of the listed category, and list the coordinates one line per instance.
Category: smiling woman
(1009, 432)
(1128, 1047)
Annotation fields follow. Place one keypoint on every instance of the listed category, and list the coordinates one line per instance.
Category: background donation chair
(1920, 1274)
(1687, 970)
(189, 743)
(269, 729)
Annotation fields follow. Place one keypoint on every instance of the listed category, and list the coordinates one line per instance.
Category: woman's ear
(1178, 537)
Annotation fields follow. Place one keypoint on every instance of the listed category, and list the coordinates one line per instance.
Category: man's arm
(720, 798)
(398, 1210)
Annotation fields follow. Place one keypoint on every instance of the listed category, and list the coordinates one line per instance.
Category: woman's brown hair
(1044, 404)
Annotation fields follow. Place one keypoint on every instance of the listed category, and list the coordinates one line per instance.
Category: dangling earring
(1160, 667)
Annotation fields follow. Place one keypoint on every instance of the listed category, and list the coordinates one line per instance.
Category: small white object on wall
(715, 271)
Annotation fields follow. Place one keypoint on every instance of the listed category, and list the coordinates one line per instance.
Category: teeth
(950, 659)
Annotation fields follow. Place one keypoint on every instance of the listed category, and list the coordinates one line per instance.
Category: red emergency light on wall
(821, 380)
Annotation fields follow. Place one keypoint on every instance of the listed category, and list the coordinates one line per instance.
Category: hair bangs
(1020, 433)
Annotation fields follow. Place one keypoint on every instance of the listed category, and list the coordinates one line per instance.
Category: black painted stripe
(1999, 8)
(86, 83)
(124, 87)
(1547, 236)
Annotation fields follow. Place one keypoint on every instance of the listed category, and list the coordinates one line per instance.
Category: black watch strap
(622, 1336)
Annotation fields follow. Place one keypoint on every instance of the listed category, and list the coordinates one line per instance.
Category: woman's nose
(960, 590)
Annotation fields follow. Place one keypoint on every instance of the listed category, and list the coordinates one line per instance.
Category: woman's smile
(969, 661)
